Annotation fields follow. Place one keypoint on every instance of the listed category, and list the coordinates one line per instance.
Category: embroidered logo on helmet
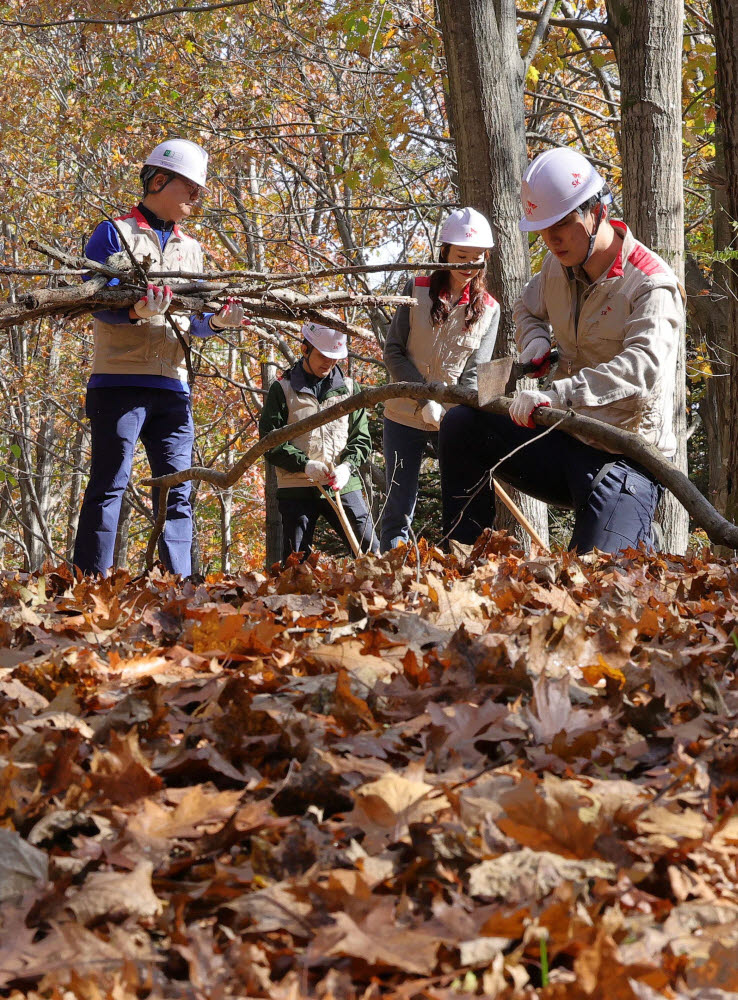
(530, 207)
(577, 180)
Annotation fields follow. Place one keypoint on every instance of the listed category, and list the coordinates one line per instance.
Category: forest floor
(511, 777)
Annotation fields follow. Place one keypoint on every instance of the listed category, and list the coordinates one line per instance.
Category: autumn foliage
(513, 777)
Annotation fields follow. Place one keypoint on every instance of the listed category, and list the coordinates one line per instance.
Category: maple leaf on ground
(275, 908)
(351, 710)
(458, 728)
(198, 810)
(115, 896)
(562, 816)
(379, 941)
(383, 809)
(122, 773)
(551, 712)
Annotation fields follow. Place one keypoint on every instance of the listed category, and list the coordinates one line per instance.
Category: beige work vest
(323, 444)
(438, 352)
(152, 347)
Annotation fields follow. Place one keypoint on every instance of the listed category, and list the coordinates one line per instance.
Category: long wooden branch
(594, 432)
(76, 263)
(206, 291)
(194, 297)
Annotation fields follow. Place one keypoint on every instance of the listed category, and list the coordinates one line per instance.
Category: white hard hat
(182, 157)
(556, 183)
(330, 343)
(466, 227)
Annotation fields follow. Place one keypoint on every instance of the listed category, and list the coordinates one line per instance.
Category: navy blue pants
(403, 452)
(613, 506)
(300, 516)
(119, 416)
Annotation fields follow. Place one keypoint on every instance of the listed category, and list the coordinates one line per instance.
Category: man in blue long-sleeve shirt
(138, 387)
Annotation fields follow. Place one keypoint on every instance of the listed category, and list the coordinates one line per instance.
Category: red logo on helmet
(530, 207)
(470, 232)
(577, 180)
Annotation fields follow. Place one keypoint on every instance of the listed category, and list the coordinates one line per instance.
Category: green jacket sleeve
(359, 445)
(274, 415)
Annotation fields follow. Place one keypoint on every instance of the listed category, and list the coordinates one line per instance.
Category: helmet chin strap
(306, 358)
(593, 235)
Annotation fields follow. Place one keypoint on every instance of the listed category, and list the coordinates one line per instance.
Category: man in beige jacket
(616, 312)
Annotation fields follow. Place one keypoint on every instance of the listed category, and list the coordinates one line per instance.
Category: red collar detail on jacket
(143, 224)
(424, 282)
(642, 258)
(140, 218)
(616, 268)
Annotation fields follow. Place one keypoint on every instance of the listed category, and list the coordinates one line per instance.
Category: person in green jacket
(329, 455)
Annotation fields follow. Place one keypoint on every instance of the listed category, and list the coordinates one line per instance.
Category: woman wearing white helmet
(452, 327)
(616, 311)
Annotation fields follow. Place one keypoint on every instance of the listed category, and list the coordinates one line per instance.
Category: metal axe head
(495, 378)
(499, 378)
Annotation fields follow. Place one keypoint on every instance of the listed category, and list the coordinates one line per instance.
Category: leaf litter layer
(403, 777)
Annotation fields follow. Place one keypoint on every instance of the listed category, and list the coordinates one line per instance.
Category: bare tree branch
(575, 23)
(543, 21)
(119, 22)
(75, 264)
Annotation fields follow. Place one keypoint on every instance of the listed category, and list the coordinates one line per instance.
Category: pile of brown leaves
(510, 778)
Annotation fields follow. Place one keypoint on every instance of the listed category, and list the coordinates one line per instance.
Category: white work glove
(341, 475)
(230, 315)
(433, 413)
(155, 302)
(537, 352)
(318, 472)
(522, 407)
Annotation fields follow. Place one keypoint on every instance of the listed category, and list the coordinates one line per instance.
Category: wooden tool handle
(520, 516)
(334, 499)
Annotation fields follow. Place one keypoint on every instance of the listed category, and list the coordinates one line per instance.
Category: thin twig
(120, 22)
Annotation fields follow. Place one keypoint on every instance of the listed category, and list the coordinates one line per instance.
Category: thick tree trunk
(649, 52)
(716, 335)
(272, 519)
(487, 120)
(725, 19)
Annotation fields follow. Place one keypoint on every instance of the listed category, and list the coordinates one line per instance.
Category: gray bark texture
(725, 20)
(649, 53)
(486, 115)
